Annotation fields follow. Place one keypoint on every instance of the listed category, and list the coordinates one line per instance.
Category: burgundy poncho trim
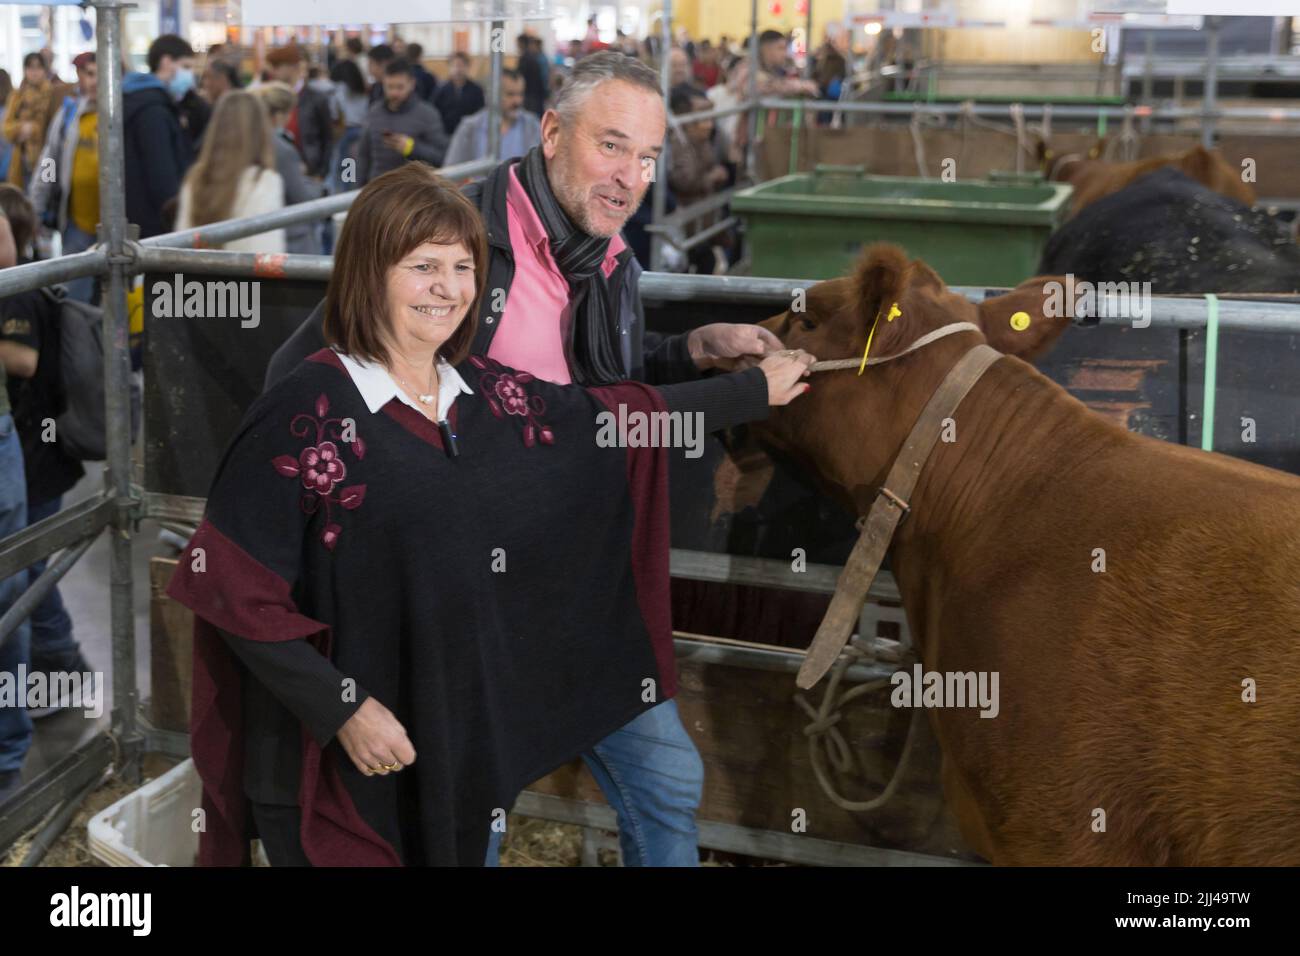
(247, 599)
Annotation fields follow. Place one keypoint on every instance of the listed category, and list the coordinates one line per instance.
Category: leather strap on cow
(887, 511)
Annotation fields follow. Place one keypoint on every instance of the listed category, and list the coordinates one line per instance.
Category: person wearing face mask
(157, 151)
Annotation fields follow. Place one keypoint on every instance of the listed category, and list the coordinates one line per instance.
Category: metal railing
(121, 504)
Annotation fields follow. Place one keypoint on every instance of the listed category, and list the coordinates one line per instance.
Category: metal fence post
(117, 372)
(659, 201)
(1210, 95)
(753, 82)
(496, 48)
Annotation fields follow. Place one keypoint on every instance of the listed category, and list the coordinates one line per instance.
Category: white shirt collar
(378, 387)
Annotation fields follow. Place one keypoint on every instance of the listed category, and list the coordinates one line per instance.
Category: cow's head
(849, 427)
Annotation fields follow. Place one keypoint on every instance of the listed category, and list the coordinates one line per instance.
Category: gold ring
(379, 769)
(392, 766)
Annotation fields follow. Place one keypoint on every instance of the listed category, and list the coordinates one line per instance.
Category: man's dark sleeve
(316, 138)
(724, 400)
(478, 99)
(667, 358)
(309, 130)
(164, 168)
(301, 678)
(431, 141)
(307, 340)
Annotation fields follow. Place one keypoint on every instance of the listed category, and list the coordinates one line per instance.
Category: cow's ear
(1199, 164)
(880, 280)
(1027, 321)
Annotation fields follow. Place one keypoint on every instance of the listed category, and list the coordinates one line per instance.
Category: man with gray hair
(561, 301)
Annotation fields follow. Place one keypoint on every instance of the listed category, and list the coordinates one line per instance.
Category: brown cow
(1093, 179)
(1132, 595)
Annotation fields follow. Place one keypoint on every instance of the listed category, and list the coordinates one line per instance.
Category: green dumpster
(812, 226)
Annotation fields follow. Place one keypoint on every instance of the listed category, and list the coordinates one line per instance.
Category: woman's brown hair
(394, 214)
(238, 136)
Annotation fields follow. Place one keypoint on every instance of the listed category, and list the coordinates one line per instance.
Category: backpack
(80, 426)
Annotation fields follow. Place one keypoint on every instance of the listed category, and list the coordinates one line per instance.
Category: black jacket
(315, 130)
(156, 151)
(426, 84)
(455, 104)
(194, 115)
(535, 92)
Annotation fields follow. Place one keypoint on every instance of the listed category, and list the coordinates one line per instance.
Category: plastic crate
(154, 825)
(812, 226)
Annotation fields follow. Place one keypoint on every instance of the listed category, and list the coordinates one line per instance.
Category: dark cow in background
(1095, 179)
(1148, 711)
(1167, 229)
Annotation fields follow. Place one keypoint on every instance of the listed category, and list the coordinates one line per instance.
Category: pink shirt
(537, 312)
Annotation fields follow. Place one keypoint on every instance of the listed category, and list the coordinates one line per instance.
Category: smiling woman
(380, 271)
(385, 654)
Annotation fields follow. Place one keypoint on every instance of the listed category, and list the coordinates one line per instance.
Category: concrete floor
(85, 593)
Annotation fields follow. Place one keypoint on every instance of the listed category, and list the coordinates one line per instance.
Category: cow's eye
(807, 324)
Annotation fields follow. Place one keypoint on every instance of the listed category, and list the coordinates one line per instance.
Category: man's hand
(400, 142)
(376, 740)
(730, 346)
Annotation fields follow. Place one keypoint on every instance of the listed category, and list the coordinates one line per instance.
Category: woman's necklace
(426, 399)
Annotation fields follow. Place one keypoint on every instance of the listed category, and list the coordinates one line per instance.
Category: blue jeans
(652, 775)
(74, 240)
(52, 643)
(15, 725)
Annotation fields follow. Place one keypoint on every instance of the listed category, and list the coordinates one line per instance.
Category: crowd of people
(207, 143)
(359, 114)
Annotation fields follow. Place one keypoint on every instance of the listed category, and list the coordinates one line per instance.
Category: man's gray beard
(574, 203)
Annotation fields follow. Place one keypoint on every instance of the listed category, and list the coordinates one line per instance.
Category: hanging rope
(1022, 138)
(1016, 129)
(1124, 147)
(826, 742)
(921, 121)
(1042, 153)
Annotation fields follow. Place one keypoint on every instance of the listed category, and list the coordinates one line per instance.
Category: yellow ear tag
(894, 313)
(1020, 321)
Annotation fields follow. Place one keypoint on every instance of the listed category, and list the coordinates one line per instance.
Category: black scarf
(592, 348)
